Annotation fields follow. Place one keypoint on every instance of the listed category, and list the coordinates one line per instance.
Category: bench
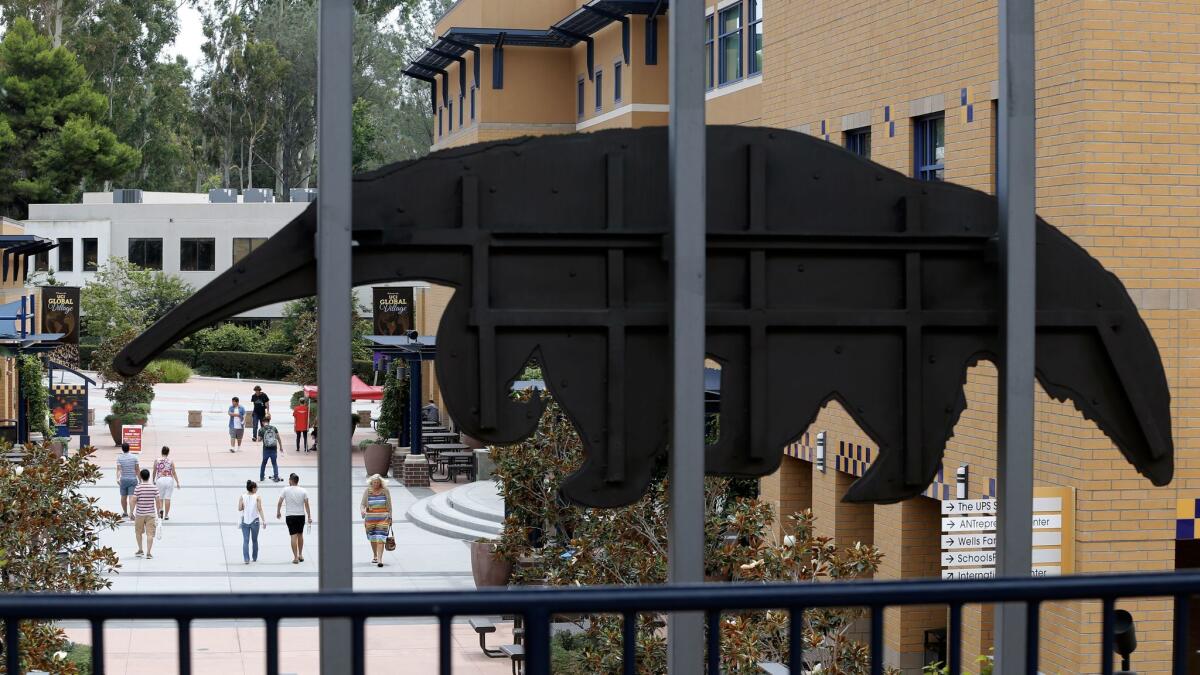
(484, 627)
(517, 654)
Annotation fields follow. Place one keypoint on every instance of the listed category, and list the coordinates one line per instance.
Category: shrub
(170, 371)
(252, 365)
(37, 398)
(230, 337)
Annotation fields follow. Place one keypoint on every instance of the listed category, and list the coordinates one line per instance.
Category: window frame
(710, 50)
(66, 244)
(736, 34)
(196, 257)
(472, 103)
(94, 266)
(252, 247)
(450, 116)
(853, 141)
(41, 261)
(580, 103)
(145, 242)
(598, 86)
(618, 72)
(461, 108)
(440, 108)
(754, 39)
(927, 167)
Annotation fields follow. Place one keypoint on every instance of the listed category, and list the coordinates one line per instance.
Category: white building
(182, 234)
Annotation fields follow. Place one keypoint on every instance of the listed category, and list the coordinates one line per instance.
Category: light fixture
(821, 451)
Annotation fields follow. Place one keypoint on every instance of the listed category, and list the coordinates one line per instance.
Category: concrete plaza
(201, 547)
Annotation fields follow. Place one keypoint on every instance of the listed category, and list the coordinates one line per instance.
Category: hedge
(249, 365)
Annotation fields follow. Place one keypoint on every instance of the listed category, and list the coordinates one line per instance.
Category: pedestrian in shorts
(127, 477)
(237, 424)
(144, 523)
(166, 479)
(293, 504)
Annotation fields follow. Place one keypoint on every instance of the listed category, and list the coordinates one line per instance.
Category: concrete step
(420, 515)
(479, 499)
(441, 506)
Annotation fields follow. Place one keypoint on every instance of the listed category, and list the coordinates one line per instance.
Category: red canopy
(359, 390)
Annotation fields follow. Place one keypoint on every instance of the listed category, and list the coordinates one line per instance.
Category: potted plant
(123, 414)
(488, 567)
(377, 456)
(132, 396)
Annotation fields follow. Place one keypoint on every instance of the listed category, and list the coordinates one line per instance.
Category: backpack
(270, 437)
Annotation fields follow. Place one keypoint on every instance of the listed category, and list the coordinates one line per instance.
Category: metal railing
(538, 607)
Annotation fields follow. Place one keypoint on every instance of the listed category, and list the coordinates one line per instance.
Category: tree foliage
(52, 137)
(554, 543)
(123, 295)
(50, 542)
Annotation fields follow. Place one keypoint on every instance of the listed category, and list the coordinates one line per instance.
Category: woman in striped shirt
(145, 496)
(376, 511)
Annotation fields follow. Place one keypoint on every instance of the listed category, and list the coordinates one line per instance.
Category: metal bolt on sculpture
(829, 278)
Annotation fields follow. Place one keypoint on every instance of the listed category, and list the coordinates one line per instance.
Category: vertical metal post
(334, 545)
(685, 630)
(1015, 190)
(415, 422)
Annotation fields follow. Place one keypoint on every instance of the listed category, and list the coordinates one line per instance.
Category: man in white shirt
(294, 504)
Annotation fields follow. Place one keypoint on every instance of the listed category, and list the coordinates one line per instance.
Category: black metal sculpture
(829, 277)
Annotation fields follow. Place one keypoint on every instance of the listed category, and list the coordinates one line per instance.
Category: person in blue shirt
(237, 424)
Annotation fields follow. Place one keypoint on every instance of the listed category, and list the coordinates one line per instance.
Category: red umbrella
(359, 390)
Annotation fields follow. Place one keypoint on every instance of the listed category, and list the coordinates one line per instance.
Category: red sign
(132, 434)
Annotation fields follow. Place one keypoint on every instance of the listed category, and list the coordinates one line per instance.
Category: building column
(907, 536)
(789, 490)
(844, 522)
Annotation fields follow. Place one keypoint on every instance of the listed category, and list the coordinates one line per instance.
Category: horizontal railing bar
(688, 597)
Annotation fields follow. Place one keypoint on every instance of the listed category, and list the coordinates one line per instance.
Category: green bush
(230, 337)
(170, 371)
(184, 356)
(251, 365)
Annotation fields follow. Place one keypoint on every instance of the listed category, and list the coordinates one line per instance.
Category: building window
(617, 82)
(579, 98)
(66, 255)
(708, 51)
(243, 246)
(461, 108)
(599, 78)
(91, 255)
(41, 261)
(858, 141)
(472, 103)
(197, 255)
(729, 44)
(756, 36)
(450, 116)
(146, 253)
(929, 147)
(439, 121)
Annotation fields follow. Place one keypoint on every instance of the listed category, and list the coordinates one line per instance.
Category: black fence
(539, 606)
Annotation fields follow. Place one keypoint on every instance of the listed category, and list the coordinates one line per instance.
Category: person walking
(376, 511)
(237, 424)
(145, 499)
(127, 477)
(260, 403)
(270, 450)
(293, 504)
(300, 422)
(250, 505)
(166, 479)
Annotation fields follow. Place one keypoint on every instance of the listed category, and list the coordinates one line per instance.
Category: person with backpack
(270, 449)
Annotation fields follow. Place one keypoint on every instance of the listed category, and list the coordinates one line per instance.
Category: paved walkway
(201, 548)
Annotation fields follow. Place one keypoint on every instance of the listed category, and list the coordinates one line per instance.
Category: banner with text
(393, 310)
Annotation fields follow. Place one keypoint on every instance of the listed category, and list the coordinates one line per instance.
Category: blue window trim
(579, 98)
(710, 50)
(598, 76)
(752, 38)
(618, 71)
(450, 117)
(925, 165)
(461, 108)
(858, 141)
(721, 37)
(472, 104)
(440, 120)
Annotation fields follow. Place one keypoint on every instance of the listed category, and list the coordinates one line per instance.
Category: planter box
(195, 418)
(488, 570)
(377, 458)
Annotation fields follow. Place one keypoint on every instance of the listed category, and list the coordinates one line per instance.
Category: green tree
(122, 295)
(52, 137)
(364, 150)
(50, 541)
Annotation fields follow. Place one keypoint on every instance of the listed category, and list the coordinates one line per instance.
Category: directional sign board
(970, 573)
(980, 540)
(968, 558)
(969, 524)
(966, 507)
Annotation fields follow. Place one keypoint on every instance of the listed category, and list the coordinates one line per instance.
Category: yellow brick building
(914, 87)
